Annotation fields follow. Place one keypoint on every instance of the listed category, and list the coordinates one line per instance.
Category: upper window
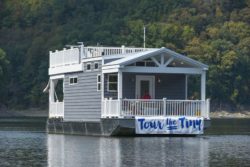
(88, 68)
(99, 82)
(96, 66)
(73, 80)
(112, 82)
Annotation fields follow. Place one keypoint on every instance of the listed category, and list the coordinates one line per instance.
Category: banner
(169, 125)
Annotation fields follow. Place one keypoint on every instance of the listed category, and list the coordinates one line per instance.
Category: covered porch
(152, 83)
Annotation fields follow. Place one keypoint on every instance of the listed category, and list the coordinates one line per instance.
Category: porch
(153, 83)
(128, 108)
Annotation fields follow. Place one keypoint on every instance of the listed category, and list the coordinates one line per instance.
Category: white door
(145, 84)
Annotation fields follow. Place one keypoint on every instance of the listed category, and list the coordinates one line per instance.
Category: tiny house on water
(125, 91)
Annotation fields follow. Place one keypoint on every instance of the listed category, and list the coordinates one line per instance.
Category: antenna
(144, 36)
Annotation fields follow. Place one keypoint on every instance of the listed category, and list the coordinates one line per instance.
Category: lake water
(23, 145)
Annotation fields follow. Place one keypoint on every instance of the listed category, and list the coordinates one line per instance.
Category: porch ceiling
(165, 60)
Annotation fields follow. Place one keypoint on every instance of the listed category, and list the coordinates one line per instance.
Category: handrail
(155, 107)
(64, 57)
(75, 54)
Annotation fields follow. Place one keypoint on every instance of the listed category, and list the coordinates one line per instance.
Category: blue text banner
(169, 125)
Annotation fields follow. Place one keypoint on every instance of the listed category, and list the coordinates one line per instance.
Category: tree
(3, 76)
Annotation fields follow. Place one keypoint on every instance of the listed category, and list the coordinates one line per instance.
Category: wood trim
(167, 70)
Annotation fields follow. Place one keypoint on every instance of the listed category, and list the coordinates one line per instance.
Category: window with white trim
(88, 67)
(99, 83)
(96, 66)
(112, 82)
(73, 80)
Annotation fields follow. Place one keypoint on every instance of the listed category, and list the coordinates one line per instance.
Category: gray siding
(128, 87)
(172, 86)
(82, 101)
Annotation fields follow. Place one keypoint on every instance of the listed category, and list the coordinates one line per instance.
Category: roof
(147, 54)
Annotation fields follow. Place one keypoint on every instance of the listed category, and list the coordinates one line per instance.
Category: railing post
(63, 109)
(120, 107)
(50, 59)
(56, 115)
(104, 109)
(207, 108)
(110, 107)
(123, 49)
(81, 52)
(164, 106)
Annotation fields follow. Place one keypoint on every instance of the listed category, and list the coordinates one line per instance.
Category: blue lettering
(194, 126)
(152, 125)
(187, 124)
(160, 125)
(182, 122)
(190, 122)
(198, 123)
(146, 125)
(141, 120)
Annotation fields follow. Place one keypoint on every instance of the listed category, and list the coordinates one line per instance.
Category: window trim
(99, 82)
(96, 69)
(112, 83)
(87, 66)
(73, 77)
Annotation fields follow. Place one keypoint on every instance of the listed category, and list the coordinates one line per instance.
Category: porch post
(119, 84)
(186, 86)
(119, 92)
(203, 85)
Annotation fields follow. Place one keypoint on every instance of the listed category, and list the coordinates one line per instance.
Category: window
(112, 82)
(99, 83)
(73, 80)
(96, 66)
(88, 66)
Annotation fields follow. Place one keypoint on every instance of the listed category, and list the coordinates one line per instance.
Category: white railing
(89, 52)
(155, 107)
(56, 109)
(64, 57)
(74, 54)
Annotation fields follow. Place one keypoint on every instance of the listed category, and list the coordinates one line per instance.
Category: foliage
(214, 32)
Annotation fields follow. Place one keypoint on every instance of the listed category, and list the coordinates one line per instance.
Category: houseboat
(111, 91)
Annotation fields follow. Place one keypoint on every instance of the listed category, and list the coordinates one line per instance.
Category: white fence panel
(56, 109)
(155, 107)
(64, 57)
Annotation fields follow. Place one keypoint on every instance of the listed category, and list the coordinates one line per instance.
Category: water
(20, 147)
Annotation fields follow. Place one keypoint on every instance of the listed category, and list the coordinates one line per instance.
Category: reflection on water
(151, 151)
(29, 148)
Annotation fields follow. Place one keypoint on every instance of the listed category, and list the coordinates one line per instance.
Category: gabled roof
(147, 54)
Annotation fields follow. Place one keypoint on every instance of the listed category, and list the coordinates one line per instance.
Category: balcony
(73, 56)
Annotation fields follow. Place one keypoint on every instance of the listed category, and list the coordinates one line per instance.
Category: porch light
(159, 80)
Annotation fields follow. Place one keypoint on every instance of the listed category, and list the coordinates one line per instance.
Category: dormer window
(96, 66)
(88, 68)
(73, 80)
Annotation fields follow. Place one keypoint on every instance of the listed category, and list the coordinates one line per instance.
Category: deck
(74, 55)
(127, 108)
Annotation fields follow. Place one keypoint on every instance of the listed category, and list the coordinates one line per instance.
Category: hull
(106, 127)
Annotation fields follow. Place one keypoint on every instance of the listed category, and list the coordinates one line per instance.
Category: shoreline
(226, 114)
(44, 113)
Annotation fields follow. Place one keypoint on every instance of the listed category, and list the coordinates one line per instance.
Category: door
(145, 84)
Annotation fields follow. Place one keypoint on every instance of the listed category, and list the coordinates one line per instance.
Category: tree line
(216, 33)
